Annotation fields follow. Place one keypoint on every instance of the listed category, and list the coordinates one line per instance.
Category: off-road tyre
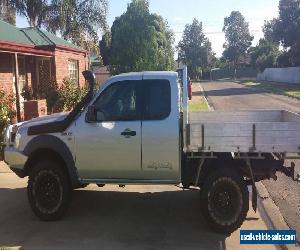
(224, 200)
(49, 190)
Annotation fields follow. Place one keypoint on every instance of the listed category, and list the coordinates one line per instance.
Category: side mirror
(91, 115)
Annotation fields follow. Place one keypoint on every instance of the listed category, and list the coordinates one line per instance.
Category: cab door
(110, 148)
(160, 129)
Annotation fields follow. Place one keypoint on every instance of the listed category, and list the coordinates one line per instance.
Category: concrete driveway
(232, 96)
(134, 217)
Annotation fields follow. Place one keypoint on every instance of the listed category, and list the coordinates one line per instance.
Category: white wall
(287, 75)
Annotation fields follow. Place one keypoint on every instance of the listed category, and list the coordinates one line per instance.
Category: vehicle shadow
(110, 220)
(233, 91)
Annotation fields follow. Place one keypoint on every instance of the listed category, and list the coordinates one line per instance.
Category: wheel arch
(52, 148)
(222, 160)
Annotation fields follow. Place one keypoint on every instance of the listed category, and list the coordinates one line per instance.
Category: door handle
(128, 133)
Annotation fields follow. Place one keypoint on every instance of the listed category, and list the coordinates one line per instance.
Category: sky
(178, 13)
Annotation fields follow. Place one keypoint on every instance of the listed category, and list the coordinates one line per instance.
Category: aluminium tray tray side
(244, 131)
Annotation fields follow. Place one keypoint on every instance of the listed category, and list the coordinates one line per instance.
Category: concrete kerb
(210, 106)
(273, 217)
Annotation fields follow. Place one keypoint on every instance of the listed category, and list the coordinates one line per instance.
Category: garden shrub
(6, 113)
(48, 91)
(27, 93)
(69, 94)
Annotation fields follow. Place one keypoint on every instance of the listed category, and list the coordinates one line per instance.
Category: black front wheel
(48, 190)
(224, 200)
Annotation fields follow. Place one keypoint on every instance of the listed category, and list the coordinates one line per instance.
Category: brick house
(31, 56)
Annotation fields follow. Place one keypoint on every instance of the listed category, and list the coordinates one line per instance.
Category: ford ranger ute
(137, 130)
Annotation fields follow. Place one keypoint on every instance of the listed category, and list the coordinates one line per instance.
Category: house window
(73, 71)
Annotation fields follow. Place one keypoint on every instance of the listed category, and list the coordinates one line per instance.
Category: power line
(217, 32)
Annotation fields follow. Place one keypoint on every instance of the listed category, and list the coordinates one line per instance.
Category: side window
(119, 102)
(157, 99)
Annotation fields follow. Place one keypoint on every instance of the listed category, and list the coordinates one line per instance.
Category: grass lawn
(196, 106)
(294, 93)
(274, 87)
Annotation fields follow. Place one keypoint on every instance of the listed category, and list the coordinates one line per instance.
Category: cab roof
(141, 75)
(160, 74)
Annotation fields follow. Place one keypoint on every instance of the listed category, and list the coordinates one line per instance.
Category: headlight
(13, 132)
(17, 140)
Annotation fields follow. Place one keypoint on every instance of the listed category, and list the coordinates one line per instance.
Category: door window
(157, 99)
(119, 102)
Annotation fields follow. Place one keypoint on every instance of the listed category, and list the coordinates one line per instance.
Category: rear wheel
(49, 190)
(224, 200)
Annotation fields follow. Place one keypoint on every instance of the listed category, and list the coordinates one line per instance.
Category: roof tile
(32, 36)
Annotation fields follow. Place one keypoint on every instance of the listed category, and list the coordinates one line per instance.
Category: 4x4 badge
(66, 133)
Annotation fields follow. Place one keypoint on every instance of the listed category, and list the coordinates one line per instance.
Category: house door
(43, 75)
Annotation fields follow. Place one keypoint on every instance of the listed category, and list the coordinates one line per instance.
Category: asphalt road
(134, 217)
(232, 96)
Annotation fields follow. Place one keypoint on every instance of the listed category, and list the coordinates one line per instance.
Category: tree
(283, 59)
(264, 55)
(34, 11)
(195, 49)
(221, 63)
(105, 48)
(7, 12)
(140, 41)
(79, 21)
(270, 32)
(285, 29)
(238, 38)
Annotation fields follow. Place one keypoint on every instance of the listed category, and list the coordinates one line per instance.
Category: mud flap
(254, 191)
(254, 197)
(288, 171)
(1, 153)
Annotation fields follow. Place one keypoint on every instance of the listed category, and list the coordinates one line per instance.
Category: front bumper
(15, 160)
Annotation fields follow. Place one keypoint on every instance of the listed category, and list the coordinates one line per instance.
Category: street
(232, 96)
(226, 95)
(134, 217)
